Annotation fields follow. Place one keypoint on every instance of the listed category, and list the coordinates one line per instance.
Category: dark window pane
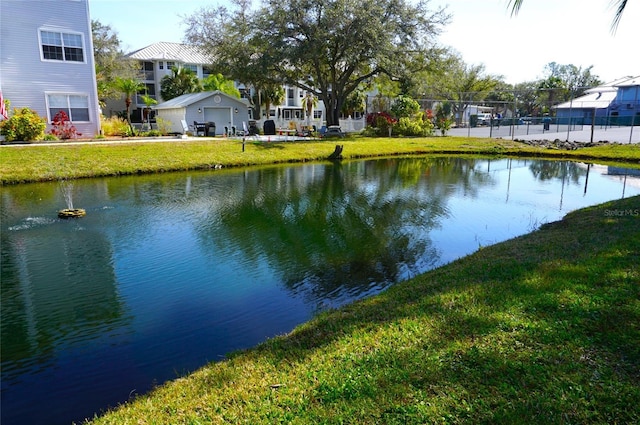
(73, 54)
(54, 111)
(79, 114)
(52, 52)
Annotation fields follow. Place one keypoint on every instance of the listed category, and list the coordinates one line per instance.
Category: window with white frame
(76, 106)
(191, 67)
(61, 46)
(317, 115)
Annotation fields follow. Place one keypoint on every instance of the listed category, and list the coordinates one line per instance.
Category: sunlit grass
(541, 329)
(42, 163)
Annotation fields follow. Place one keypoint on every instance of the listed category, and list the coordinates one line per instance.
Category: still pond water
(168, 272)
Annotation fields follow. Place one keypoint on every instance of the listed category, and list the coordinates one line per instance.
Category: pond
(168, 272)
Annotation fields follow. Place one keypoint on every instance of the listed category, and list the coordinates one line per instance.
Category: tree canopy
(180, 81)
(326, 47)
(215, 82)
(110, 61)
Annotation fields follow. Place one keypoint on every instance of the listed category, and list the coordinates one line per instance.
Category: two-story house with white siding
(46, 60)
(157, 60)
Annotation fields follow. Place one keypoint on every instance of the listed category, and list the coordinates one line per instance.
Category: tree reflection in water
(344, 229)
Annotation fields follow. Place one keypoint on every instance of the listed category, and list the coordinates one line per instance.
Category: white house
(227, 112)
(156, 61)
(46, 60)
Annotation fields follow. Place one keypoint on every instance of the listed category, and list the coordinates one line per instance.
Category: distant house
(156, 61)
(46, 60)
(614, 103)
(227, 112)
(625, 109)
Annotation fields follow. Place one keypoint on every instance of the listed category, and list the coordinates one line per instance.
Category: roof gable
(591, 100)
(191, 98)
(629, 82)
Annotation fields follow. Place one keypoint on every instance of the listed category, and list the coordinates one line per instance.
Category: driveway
(535, 132)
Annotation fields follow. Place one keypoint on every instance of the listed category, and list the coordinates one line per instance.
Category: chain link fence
(536, 112)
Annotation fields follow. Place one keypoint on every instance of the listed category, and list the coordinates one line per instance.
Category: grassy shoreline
(543, 328)
(34, 163)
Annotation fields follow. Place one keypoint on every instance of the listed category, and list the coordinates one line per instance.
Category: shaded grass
(541, 329)
(21, 164)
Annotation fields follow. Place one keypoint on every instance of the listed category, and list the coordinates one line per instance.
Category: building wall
(173, 116)
(626, 108)
(27, 77)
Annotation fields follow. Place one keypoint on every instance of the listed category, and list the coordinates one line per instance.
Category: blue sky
(482, 31)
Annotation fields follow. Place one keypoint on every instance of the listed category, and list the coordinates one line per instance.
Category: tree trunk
(127, 102)
(332, 108)
(337, 153)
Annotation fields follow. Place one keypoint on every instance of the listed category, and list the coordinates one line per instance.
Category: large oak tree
(327, 47)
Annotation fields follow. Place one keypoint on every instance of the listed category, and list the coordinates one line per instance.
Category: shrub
(62, 127)
(405, 107)
(164, 126)
(114, 126)
(443, 117)
(151, 133)
(24, 124)
(416, 126)
(380, 122)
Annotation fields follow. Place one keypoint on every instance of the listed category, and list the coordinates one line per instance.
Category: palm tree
(621, 4)
(217, 82)
(181, 81)
(149, 102)
(129, 87)
(309, 101)
(272, 94)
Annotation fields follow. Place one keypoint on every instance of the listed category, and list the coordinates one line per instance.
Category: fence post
(570, 112)
(593, 123)
(633, 115)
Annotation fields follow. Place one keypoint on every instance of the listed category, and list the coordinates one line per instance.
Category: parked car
(484, 119)
(333, 131)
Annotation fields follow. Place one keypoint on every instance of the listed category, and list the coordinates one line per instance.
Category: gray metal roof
(191, 98)
(630, 82)
(601, 96)
(597, 100)
(172, 52)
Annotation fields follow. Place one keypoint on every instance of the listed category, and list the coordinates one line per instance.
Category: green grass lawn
(30, 163)
(541, 329)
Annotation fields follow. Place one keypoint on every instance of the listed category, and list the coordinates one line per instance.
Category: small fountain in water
(69, 212)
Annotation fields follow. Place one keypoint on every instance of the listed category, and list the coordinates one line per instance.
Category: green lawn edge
(540, 329)
(36, 163)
